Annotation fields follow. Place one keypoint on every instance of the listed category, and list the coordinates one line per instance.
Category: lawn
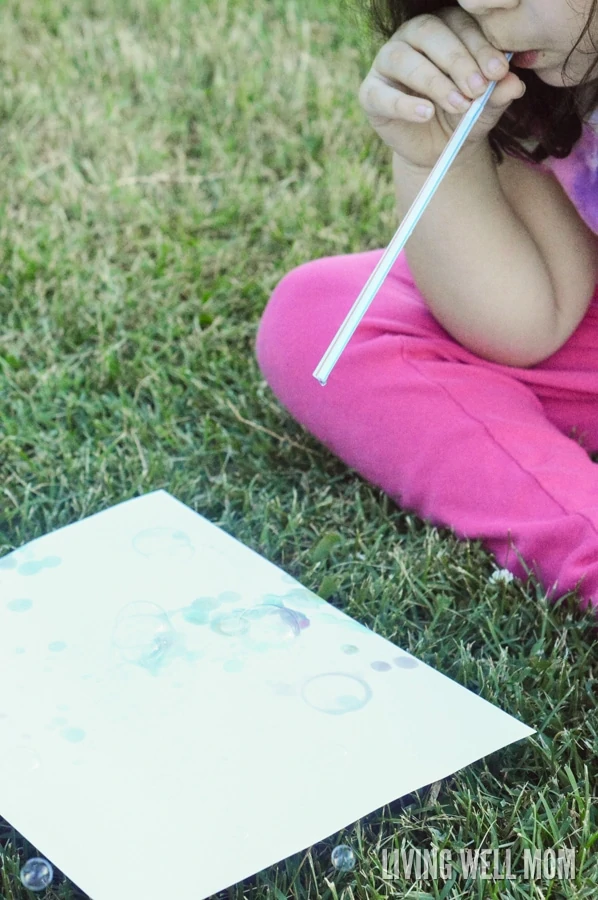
(163, 164)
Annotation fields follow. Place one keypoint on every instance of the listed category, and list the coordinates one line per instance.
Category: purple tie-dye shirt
(578, 173)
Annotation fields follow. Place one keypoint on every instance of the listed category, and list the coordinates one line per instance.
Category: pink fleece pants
(496, 453)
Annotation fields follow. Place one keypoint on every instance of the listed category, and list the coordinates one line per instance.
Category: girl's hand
(427, 59)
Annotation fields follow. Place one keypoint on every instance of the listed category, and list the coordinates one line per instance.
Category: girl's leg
(463, 442)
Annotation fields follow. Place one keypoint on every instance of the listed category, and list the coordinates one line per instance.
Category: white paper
(147, 751)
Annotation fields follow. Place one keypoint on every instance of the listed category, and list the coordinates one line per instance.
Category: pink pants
(498, 454)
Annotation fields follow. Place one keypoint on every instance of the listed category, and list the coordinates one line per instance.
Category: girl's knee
(285, 324)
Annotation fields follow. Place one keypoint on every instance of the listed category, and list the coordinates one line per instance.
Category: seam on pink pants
(505, 450)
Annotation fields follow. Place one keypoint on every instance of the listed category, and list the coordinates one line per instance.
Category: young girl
(469, 392)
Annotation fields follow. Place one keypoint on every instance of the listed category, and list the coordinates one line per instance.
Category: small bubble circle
(343, 858)
(380, 666)
(349, 649)
(405, 662)
(37, 874)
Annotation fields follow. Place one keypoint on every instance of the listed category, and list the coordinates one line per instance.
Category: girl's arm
(509, 288)
(568, 245)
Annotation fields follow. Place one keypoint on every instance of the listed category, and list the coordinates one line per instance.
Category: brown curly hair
(546, 121)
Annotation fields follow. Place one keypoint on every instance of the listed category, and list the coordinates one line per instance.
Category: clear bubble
(272, 626)
(143, 633)
(343, 858)
(336, 693)
(37, 874)
(169, 542)
(232, 624)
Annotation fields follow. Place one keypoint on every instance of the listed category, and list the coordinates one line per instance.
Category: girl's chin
(554, 77)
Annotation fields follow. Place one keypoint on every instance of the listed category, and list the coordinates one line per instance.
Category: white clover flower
(502, 575)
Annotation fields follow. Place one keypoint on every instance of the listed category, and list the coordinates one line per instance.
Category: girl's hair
(547, 118)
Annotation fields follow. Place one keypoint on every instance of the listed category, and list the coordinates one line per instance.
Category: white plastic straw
(376, 279)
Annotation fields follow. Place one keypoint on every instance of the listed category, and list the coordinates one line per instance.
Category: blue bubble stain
(232, 665)
(272, 600)
(20, 650)
(73, 735)
(20, 605)
(34, 567)
(229, 597)
(57, 646)
(8, 562)
(284, 690)
(350, 649)
(348, 702)
(30, 568)
(199, 611)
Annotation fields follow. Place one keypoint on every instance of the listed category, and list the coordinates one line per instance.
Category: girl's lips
(525, 60)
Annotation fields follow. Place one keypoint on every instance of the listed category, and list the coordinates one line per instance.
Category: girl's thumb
(507, 90)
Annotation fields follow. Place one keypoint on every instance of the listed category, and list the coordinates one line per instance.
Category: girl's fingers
(383, 103)
(406, 66)
(427, 56)
(474, 39)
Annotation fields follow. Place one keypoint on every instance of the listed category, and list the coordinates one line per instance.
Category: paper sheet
(183, 714)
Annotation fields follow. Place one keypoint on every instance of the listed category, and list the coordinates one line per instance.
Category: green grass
(163, 164)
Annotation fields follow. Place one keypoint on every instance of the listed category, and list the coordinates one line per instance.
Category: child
(469, 392)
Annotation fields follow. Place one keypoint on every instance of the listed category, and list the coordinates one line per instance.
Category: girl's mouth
(525, 60)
